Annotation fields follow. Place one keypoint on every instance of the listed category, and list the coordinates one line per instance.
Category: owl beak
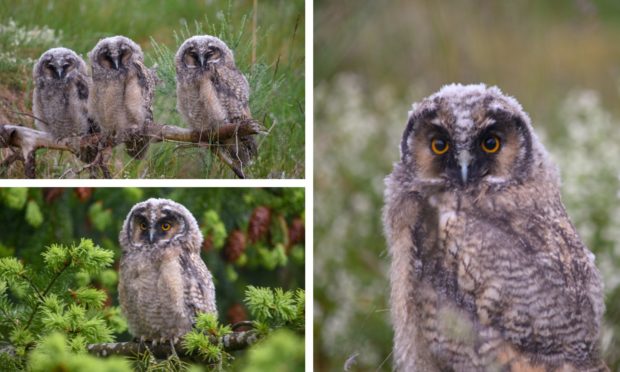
(115, 60)
(464, 160)
(151, 235)
(59, 71)
(201, 58)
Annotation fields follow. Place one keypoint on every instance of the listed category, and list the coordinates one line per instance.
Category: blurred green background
(253, 236)
(273, 63)
(560, 59)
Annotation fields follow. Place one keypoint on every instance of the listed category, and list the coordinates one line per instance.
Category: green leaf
(90, 297)
(11, 268)
(260, 301)
(206, 322)
(108, 278)
(56, 256)
(100, 217)
(16, 197)
(33, 214)
(91, 257)
(21, 337)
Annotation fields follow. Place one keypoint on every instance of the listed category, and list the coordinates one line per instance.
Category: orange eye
(142, 226)
(491, 144)
(165, 226)
(439, 146)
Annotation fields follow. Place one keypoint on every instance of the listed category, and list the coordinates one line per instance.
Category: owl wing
(147, 80)
(234, 92)
(199, 290)
(540, 294)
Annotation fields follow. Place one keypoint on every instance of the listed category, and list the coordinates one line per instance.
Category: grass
(276, 74)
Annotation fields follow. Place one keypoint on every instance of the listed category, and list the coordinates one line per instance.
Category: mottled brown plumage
(123, 90)
(211, 92)
(60, 97)
(163, 281)
(487, 272)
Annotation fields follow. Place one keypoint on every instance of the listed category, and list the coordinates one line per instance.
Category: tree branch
(231, 342)
(28, 140)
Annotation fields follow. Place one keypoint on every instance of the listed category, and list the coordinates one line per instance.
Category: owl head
(159, 223)
(115, 54)
(202, 53)
(58, 64)
(467, 135)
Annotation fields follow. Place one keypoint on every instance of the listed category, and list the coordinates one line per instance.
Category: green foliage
(214, 227)
(33, 214)
(276, 308)
(198, 340)
(281, 351)
(15, 198)
(275, 313)
(47, 304)
(54, 353)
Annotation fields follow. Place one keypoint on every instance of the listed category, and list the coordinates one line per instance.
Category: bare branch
(231, 342)
(28, 140)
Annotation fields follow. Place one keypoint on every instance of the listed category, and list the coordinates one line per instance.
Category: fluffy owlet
(211, 92)
(163, 281)
(487, 272)
(123, 90)
(60, 96)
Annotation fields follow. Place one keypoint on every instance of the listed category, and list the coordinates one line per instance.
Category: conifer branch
(230, 342)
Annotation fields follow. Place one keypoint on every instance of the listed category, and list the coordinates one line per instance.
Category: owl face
(204, 52)
(463, 136)
(115, 53)
(57, 64)
(155, 223)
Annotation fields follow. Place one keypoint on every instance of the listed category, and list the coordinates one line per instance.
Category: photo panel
(152, 278)
(164, 90)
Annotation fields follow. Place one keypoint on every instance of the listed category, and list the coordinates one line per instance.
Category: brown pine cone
(236, 313)
(259, 223)
(296, 232)
(52, 193)
(235, 245)
(83, 193)
(207, 244)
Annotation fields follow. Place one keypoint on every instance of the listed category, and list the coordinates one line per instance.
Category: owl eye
(165, 226)
(142, 226)
(439, 146)
(490, 144)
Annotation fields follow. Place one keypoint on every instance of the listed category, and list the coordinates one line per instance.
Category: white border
(309, 183)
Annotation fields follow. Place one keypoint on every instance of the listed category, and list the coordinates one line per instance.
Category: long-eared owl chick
(60, 96)
(163, 281)
(211, 92)
(487, 270)
(123, 90)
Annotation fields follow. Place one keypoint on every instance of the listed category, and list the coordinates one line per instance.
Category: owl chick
(60, 96)
(163, 281)
(212, 92)
(123, 90)
(487, 270)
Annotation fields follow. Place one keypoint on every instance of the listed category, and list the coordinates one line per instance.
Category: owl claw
(172, 342)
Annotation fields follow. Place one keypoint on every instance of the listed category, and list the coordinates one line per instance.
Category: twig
(49, 286)
(231, 342)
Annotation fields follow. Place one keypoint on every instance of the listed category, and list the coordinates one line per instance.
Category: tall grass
(276, 77)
